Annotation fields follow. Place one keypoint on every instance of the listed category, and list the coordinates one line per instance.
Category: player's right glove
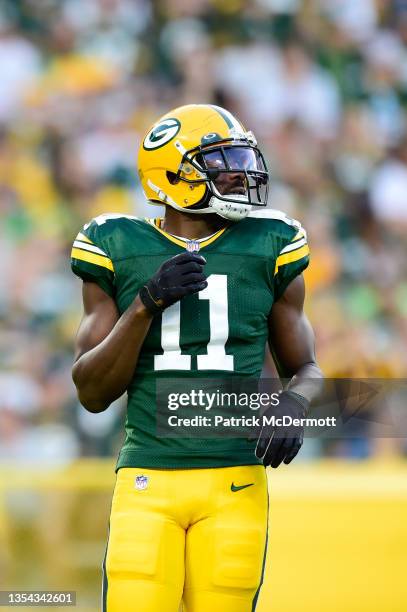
(175, 278)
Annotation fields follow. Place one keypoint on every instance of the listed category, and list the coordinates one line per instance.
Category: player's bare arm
(107, 347)
(291, 341)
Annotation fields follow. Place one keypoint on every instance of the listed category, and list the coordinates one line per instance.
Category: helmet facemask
(235, 174)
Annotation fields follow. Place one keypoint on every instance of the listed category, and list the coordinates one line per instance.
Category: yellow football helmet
(185, 153)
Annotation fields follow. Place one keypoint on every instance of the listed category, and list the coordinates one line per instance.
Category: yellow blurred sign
(338, 534)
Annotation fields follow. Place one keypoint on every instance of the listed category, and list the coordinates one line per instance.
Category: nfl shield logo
(141, 482)
(192, 246)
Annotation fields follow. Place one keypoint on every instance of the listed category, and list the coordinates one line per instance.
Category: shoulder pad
(277, 215)
(101, 219)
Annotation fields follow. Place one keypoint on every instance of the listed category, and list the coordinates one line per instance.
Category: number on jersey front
(215, 359)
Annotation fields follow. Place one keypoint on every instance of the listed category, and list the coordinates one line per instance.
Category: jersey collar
(179, 240)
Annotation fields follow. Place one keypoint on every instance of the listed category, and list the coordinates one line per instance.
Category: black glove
(176, 277)
(282, 443)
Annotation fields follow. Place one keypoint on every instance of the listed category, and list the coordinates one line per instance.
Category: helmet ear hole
(172, 177)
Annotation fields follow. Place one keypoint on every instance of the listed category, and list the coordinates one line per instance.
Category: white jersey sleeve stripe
(300, 234)
(89, 247)
(294, 246)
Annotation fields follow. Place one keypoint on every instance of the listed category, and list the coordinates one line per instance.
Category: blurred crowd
(323, 85)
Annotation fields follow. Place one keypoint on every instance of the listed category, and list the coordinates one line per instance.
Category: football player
(197, 293)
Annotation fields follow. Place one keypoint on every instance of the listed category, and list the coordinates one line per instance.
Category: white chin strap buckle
(230, 210)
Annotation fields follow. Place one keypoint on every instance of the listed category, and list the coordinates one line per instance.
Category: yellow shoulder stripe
(291, 257)
(84, 238)
(89, 257)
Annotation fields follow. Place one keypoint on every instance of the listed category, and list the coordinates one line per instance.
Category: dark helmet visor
(234, 159)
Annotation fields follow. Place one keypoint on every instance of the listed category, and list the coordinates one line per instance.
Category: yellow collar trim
(182, 242)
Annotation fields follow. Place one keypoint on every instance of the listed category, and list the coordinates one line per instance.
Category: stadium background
(323, 84)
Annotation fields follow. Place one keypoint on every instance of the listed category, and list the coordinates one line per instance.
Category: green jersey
(219, 332)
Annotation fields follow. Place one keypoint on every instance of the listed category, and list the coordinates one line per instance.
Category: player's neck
(192, 226)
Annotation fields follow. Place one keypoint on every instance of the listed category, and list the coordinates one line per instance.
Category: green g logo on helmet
(161, 133)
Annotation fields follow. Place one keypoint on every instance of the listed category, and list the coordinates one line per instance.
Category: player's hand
(282, 443)
(175, 278)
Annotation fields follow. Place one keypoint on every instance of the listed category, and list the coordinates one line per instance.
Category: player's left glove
(282, 442)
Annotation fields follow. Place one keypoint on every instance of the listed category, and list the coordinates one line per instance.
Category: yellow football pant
(196, 536)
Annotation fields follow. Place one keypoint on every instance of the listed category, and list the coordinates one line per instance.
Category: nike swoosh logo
(235, 488)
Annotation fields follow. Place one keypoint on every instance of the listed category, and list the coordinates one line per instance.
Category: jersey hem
(144, 459)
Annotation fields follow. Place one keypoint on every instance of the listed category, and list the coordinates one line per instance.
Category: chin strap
(233, 211)
(230, 210)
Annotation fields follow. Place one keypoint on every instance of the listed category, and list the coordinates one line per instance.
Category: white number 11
(215, 359)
